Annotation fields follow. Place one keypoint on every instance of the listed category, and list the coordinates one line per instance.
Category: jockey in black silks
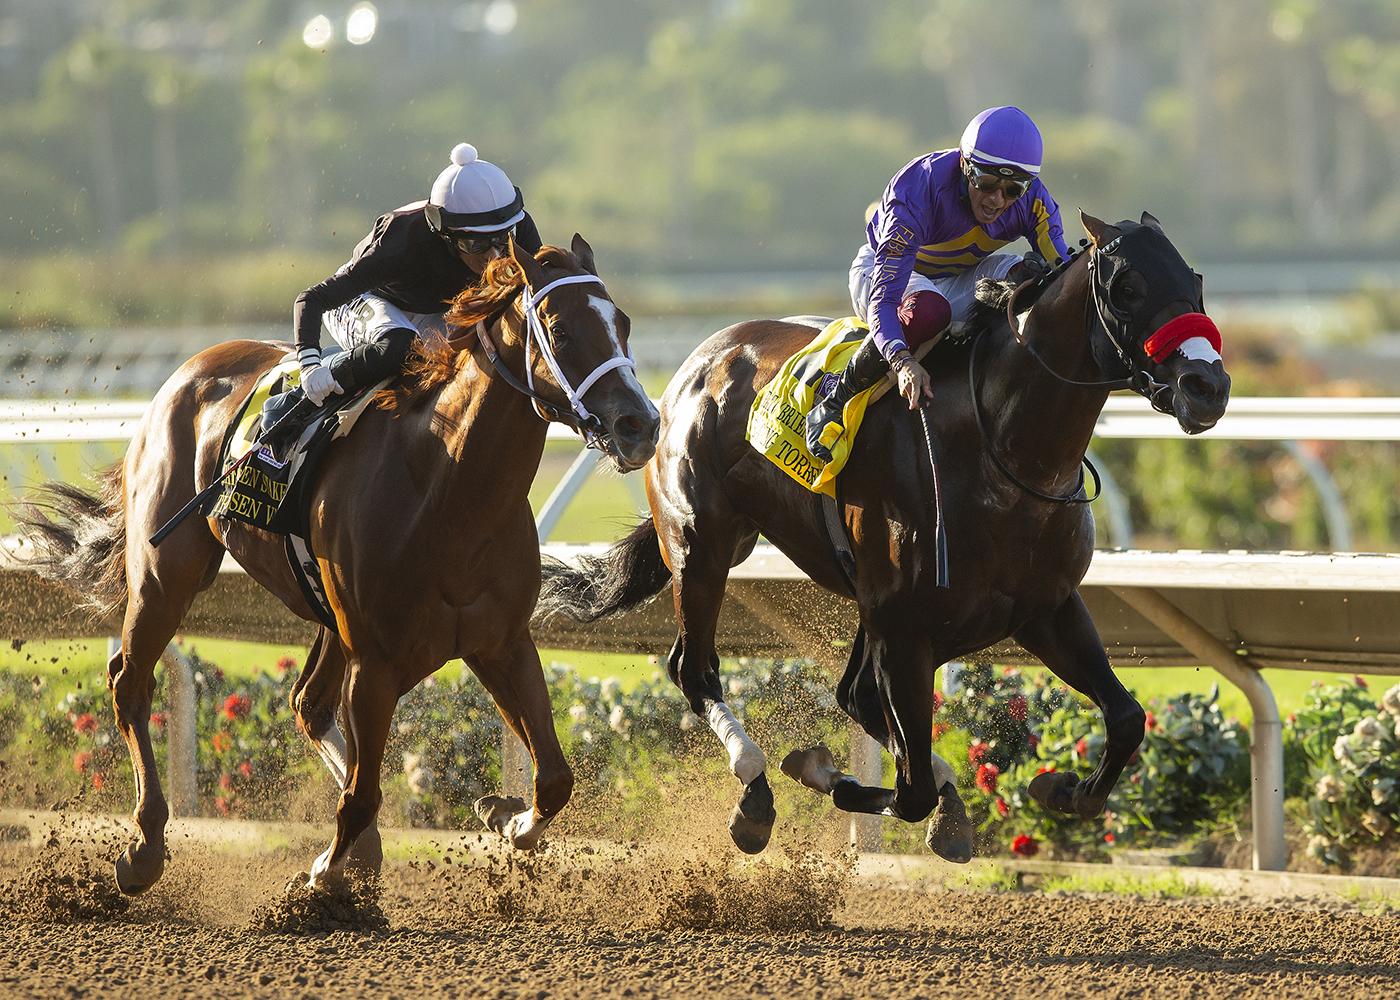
(403, 276)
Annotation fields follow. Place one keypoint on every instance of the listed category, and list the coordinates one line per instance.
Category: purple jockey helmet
(1004, 141)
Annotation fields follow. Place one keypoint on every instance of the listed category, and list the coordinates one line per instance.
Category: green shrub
(1352, 747)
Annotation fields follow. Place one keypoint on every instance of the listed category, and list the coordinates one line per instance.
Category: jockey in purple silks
(930, 240)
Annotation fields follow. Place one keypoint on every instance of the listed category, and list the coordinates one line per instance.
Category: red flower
(1048, 768)
(245, 769)
(1360, 681)
(1025, 846)
(237, 706)
(222, 805)
(225, 782)
(97, 781)
(938, 730)
(1134, 758)
(1082, 747)
(287, 663)
(218, 674)
(1135, 778)
(1292, 718)
(987, 778)
(1151, 722)
(1033, 740)
(1016, 707)
(85, 723)
(221, 741)
(158, 719)
(937, 700)
(1002, 806)
(977, 752)
(1108, 838)
(81, 759)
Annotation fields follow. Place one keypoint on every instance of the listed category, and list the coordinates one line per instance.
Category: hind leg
(154, 610)
(315, 699)
(515, 679)
(700, 572)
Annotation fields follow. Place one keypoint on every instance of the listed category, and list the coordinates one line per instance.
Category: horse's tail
(79, 539)
(628, 576)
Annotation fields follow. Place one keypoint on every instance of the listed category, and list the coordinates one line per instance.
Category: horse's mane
(436, 361)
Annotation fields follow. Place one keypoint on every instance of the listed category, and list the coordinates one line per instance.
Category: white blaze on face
(607, 312)
(1199, 349)
(746, 757)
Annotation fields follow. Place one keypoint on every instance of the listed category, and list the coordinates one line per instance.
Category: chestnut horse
(420, 521)
(1019, 532)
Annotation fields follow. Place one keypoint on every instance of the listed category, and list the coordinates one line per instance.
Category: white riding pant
(960, 289)
(366, 318)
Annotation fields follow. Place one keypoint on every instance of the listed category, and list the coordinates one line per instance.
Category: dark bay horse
(420, 522)
(1019, 534)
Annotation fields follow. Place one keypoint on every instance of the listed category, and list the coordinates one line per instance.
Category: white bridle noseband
(536, 337)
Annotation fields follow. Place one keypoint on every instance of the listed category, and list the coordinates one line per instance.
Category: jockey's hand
(319, 383)
(914, 383)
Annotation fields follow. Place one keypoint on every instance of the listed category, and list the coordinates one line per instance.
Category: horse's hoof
(1054, 790)
(496, 811)
(751, 822)
(298, 881)
(949, 829)
(813, 767)
(139, 868)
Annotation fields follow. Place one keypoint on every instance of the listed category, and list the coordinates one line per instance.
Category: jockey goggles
(474, 243)
(988, 179)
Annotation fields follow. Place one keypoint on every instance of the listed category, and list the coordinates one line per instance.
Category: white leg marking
(525, 829)
(326, 876)
(746, 758)
(331, 747)
(943, 772)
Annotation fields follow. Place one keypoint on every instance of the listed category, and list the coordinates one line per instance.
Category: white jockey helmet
(474, 196)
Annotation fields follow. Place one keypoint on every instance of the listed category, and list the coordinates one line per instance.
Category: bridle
(1100, 314)
(536, 339)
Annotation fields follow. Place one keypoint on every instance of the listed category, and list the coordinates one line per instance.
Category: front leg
(1067, 642)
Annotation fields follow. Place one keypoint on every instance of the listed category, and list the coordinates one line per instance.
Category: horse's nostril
(629, 427)
(1198, 388)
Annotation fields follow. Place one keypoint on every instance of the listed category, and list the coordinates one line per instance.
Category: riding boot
(825, 420)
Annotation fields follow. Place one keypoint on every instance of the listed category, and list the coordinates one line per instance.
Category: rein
(580, 419)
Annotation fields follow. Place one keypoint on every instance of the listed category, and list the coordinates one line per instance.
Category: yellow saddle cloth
(778, 421)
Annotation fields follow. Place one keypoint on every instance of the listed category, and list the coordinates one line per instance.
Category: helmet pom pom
(463, 153)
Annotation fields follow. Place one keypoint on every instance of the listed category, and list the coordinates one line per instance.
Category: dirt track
(521, 927)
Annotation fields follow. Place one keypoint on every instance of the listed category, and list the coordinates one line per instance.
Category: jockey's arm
(1047, 234)
(894, 263)
(363, 275)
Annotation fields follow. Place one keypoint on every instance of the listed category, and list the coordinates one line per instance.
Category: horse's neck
(493, 433)
(1033, 413)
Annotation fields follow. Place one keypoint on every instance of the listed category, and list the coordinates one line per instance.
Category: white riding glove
(319, 383)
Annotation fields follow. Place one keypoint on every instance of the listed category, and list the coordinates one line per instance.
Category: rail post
(1266, 742)
(867, 767)
(182, 738)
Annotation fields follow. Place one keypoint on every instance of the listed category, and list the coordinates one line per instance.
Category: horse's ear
(1150, 221)
(584, 253)
(529, 267)
(1099, 231)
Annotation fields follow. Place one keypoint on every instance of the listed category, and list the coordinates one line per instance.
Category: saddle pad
(256, 492)
(778, 421)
